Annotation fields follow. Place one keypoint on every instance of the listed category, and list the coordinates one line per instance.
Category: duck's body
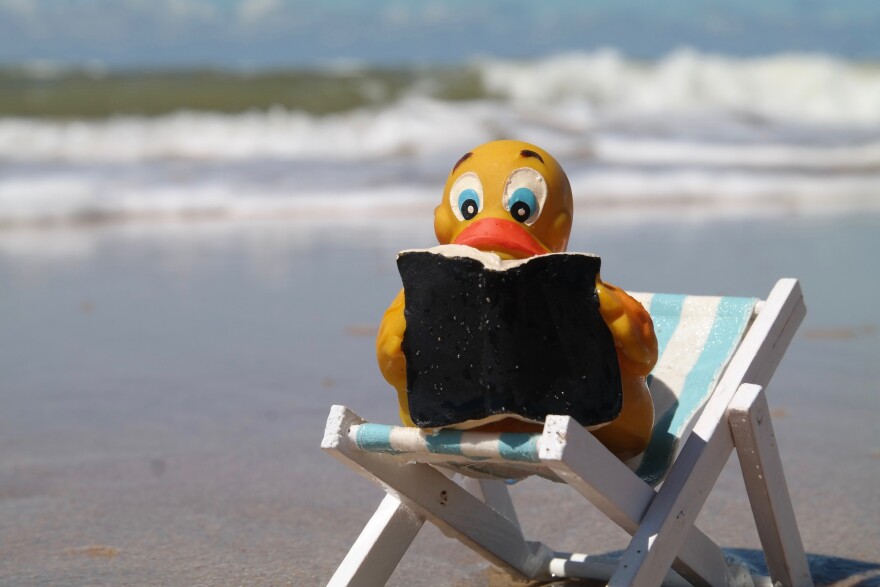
(513, 199)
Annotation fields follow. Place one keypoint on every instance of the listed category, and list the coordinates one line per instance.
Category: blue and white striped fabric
(477, 454)
(696, 338)
(477, 446)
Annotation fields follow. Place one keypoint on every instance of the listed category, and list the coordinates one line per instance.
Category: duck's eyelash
(530, 153)
(464, 158)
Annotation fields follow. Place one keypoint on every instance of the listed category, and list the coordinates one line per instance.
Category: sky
(273, 33)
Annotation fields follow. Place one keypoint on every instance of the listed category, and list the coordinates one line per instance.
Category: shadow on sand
(826, 570)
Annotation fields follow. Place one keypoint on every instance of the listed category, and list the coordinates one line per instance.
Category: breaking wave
(693, 130)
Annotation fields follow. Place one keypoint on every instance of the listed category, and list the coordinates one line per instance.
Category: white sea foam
(411, 126)
(695, 131)
(798, 88)
(421, 126)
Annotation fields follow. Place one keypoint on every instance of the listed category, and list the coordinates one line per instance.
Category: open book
(487, 339)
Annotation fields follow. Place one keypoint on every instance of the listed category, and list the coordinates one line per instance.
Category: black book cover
(487, 338)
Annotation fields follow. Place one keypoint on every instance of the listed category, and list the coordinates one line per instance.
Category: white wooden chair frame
(480, 513)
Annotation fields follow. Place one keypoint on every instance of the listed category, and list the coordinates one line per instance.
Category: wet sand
(163, 392)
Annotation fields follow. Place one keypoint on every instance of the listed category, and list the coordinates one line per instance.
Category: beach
(165, 387)
(201, 206)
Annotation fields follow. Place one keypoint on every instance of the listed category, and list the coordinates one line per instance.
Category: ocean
(690, 132)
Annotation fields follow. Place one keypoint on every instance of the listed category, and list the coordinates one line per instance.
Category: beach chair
(716, 357)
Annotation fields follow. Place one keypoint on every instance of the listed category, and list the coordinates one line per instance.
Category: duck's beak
(501, 236)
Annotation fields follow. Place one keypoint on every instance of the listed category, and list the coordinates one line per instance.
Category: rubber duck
(514, 199)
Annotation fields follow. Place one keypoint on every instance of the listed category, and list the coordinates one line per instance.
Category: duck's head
(507, 197)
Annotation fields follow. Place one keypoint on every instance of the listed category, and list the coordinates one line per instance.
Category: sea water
(690, 131)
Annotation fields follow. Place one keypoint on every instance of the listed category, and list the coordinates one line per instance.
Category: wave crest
(794, 88)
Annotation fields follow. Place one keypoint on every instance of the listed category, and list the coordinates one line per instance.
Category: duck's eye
(523, 204)
(524, 194)
(468, 203)
(466, 196)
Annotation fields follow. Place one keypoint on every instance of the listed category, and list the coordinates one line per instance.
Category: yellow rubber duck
(514, 199)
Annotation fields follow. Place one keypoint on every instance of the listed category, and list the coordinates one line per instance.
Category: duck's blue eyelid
(526, 196)
(468, 194)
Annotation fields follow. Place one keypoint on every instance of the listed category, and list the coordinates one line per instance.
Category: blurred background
(128, 111)
(200, 206)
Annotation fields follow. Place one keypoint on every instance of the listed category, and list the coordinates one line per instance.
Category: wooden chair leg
(380, 546)
(669, 520)
(439, 499)
(582, 462)
(494, 493)
(750, 422)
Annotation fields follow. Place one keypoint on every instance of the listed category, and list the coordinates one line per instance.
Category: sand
(163, 392)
